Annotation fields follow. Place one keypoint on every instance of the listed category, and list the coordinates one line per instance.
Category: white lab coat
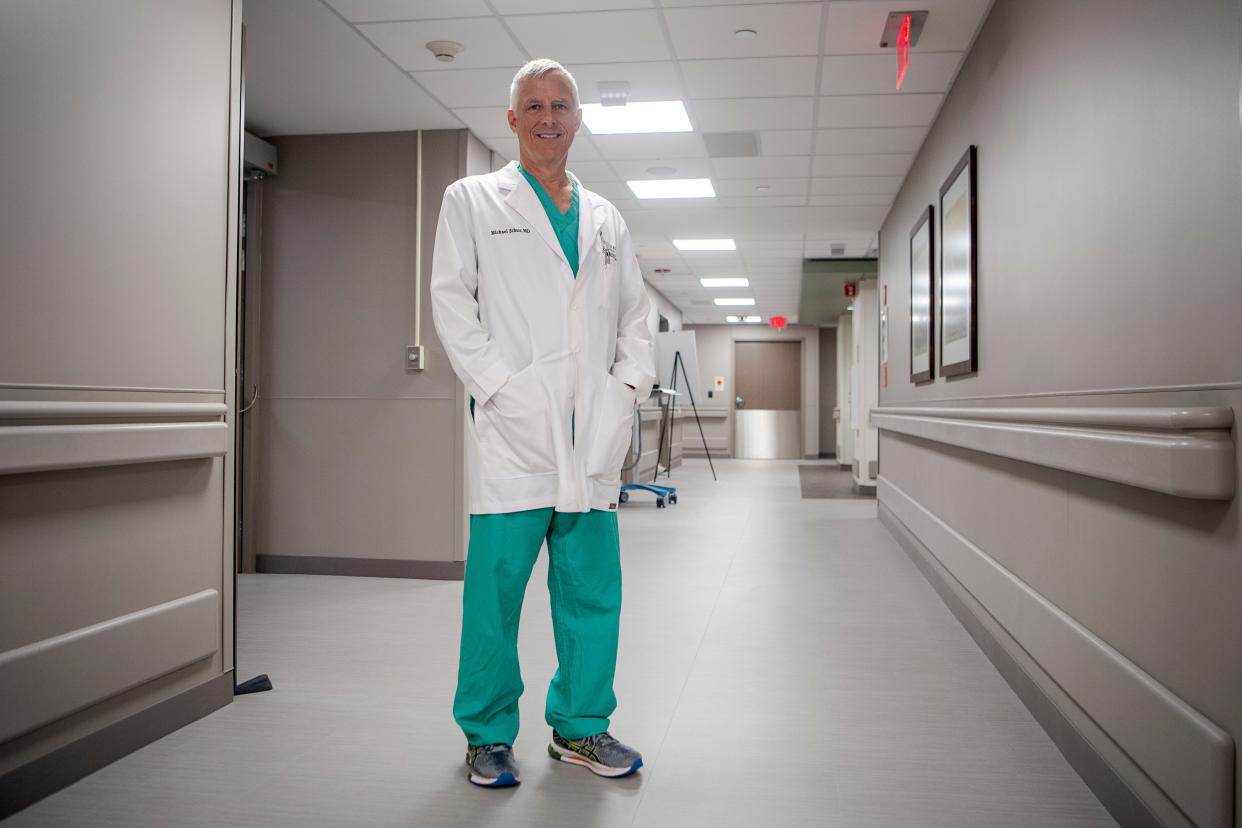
(538, 349)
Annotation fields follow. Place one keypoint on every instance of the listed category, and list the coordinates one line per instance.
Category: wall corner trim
(1184, 452)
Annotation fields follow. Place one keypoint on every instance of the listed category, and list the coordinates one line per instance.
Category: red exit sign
(851, 289)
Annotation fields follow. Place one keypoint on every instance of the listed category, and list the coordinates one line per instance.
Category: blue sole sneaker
(601, 754)
(491, 766)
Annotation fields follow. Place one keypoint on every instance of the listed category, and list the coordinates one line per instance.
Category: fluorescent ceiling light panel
(724, 281)
(636, 116)
(704, 244)
(673, 188)
(746, 319)
(735, 301)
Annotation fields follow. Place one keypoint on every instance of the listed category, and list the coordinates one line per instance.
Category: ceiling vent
(731, 144)
(614, 93)
(837, 249)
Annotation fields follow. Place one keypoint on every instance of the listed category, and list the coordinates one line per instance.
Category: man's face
(546, 117)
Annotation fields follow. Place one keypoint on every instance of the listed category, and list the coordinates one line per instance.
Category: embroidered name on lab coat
(610, 252)
(510, 230)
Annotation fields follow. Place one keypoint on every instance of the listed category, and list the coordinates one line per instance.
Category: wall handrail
(1182, 451)
(91, 409)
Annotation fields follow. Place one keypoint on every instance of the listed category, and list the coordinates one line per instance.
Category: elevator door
(767, 411)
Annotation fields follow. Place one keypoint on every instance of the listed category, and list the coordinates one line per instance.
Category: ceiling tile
(785, 141)
(584, 149)
(486, 122)
(745, 187)
(486, 41)
(541, 6)
(592, 37)
(854, 28)
(629, 169)
(592, 170)
(844, 165)
(608, 189)
(878, 110)
(733, 115)
(504, 147)
(783, 29)
(859, 199)
(654, 81)
(885, 184)
(763, 201)
(877, 74)
(457, 88)
(308, 72)
(784, 166)
(750, 77)
(363, 11)
(856, 141)
(652, 145)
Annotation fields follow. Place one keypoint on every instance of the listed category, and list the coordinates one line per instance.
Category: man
(541, 307)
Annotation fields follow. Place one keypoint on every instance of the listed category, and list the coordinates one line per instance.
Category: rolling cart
(664, 494)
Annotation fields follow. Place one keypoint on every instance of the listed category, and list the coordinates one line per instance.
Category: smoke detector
(445, 50)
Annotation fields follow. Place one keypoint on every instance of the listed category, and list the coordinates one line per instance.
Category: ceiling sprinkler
(445, 50)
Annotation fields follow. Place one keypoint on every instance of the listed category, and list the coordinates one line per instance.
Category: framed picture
(922, 318)
(959, 353)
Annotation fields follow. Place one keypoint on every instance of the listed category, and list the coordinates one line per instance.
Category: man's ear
(513, 120)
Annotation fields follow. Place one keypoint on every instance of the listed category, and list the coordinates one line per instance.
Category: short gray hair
(538, 68)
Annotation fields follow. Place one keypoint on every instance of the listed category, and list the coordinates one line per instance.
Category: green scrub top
(564, 225)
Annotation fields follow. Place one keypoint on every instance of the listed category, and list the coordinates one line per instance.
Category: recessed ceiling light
(750, 319)
(704, 244)
(642, 116)
(736, 319)
(737, 301)
(724, 281)
(763, 188)
(673, 188)
(745, 34)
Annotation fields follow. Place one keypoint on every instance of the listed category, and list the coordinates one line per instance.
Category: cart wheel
(625, 497)
(659, 503)
(672, 498)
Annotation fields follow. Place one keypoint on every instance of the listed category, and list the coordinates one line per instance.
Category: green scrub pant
(584, 582)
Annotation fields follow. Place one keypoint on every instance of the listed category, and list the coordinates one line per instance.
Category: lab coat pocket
(514, 429)
(614, 430)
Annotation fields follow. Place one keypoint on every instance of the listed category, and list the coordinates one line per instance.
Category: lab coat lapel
(590, 218)
(522, 198)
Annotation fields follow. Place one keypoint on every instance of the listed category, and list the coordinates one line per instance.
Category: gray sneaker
(601, 753)
(491, 766)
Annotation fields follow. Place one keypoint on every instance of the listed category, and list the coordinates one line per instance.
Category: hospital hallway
(783, 663)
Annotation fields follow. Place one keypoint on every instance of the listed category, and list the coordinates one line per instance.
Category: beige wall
(715, 346)
(1109, 258)
(120, 133)
(356, 457)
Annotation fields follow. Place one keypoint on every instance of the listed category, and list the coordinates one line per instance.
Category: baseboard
(865, 491)
(361, 567)
(26, 785)
(1032, 685)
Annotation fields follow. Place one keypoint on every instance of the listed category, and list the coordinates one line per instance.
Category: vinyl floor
(782, 663)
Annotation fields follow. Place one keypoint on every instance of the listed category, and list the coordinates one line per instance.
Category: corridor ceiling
(834, 138)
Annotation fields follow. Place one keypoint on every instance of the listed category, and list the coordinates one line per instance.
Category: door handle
(739, 402)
